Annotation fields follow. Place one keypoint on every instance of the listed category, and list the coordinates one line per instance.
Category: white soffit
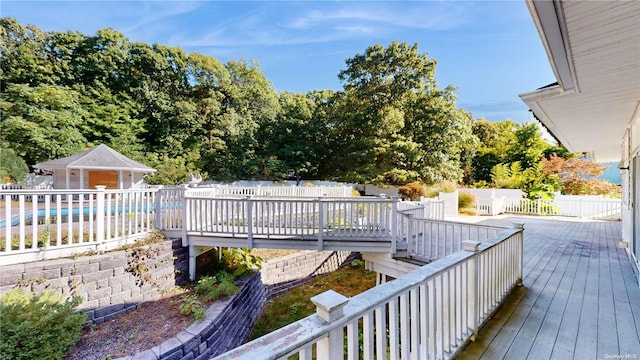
(594, 50)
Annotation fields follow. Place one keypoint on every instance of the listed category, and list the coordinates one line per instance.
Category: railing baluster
(34, 223)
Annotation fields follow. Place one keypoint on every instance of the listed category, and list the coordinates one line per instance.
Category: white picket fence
(39, 224)
(577, 206)
(426, 314)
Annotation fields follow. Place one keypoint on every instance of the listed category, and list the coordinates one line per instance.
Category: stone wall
(227, 323)
(109, 284)
(113, 283)
(285, 273)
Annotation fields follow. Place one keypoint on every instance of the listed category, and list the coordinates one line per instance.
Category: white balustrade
(563, 205)
(429, 239)
(427, 209)
(426, 314)
(313, 218)
(45, 224)
(271, 191)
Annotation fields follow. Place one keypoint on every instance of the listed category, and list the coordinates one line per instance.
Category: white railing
(170, 214)
(300, 218)
(532, 207)
(426, 314)
(585, 207)
(490, 206)
(589, 208)
(428, 209)
(41, 224)
(273, 191)
(429, 239)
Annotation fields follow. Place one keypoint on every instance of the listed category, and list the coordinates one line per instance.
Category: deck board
(580, 298)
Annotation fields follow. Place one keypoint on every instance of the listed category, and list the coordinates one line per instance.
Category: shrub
(447, 186)
(412, 191)
(241, 261)
(466, 200)
(214, 287)
(42, 326)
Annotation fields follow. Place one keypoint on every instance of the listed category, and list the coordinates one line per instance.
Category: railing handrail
(303, 333)
(73, 191)
(296, 198)
(454, 222)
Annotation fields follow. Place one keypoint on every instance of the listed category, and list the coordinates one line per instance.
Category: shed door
(106, 178)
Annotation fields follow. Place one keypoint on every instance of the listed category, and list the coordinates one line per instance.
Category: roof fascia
(533, 100)
(550, 22)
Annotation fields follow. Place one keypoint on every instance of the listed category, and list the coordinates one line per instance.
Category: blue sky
(490, 50)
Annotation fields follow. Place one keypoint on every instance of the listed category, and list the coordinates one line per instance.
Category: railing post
(186, 216)
(473, 293)
(411, 247)
(393, 218)
(249, 222)
(158, 211)
(329, 306)
(320, 224)
(520, 225)
(99, 213)
(580, 206)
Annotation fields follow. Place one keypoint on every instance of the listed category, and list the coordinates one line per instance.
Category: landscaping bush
(466, 203)
(466, 200)
(42, 326)
(412, 191)
(447, 186)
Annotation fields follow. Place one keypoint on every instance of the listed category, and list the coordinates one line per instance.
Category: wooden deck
(580, 299)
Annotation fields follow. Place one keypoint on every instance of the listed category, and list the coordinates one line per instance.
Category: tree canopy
(63, 92)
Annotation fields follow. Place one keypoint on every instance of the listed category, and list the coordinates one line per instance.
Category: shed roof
(100, 157)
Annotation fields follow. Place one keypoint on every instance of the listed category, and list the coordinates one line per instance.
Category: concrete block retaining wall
(113, 283)
(109, 284)
(228, 322)
(285, 273)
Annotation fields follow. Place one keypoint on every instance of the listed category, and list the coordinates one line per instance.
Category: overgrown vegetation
(296, 304)
(41, 326)
(466, 203)
(207, 289)
(231, 264)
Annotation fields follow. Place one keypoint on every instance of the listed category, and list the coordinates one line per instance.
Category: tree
(249, 106)
(41, 123)
(12, 167)
(576, 175)
(530, 146)
(497, 140)
(24, 60)
(390, 118)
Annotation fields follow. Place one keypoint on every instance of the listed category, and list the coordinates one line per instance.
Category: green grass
(296, 304)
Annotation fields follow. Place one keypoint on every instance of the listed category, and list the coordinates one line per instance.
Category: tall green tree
(392, 116)
(529, 147)
(41, 123)
(497, 140)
